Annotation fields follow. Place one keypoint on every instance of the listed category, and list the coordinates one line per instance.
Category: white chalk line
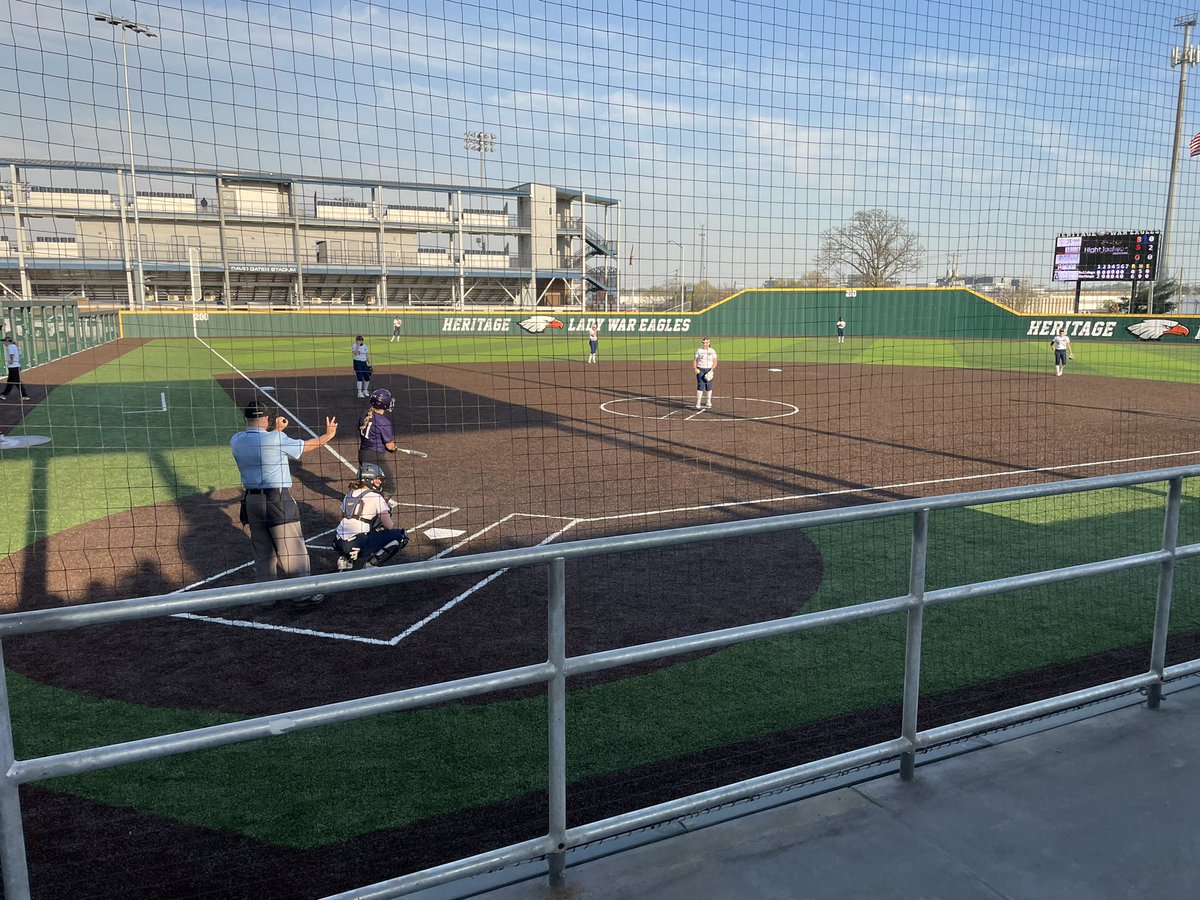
(448, 511)
(479, 585)
(571, 523)
(362, 639)
(885, 487)
(138, 412)
(270, 395)
(588, 520)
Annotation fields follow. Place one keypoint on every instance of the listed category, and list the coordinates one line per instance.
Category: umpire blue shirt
(262, 457)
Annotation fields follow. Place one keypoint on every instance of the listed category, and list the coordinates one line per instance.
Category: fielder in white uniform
(593, 341)
(705, 364)
(1062, 349)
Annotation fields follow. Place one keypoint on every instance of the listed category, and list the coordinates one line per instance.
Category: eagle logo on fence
(538, 324)
(1154, 329)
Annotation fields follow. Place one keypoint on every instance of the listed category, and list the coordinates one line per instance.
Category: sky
(738, 130)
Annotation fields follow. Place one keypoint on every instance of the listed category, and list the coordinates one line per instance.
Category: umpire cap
(255, 409)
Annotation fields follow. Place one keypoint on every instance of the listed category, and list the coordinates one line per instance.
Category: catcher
(367, 535)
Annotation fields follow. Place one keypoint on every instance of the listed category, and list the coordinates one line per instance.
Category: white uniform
(358, 508)
(705, 363)
(1062, 346)
(362, 369)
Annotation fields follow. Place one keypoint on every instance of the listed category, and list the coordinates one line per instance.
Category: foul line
(572, 522)
(270, 396)
(886, 487)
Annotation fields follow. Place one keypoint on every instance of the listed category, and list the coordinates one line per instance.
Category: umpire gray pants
(275, 535)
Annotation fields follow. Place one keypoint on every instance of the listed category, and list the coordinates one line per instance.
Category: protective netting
(533, 217)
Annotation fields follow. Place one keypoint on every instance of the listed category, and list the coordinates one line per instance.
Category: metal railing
(558, 666)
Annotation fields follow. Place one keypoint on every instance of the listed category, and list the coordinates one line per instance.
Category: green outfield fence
(942, 313)
(47, 330)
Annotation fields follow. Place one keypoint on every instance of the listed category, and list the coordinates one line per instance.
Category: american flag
(1194, 146)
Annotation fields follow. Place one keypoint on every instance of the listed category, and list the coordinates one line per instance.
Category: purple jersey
(376, 431)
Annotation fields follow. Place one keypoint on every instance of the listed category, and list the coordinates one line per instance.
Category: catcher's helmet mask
(369, 473)
(383, 399)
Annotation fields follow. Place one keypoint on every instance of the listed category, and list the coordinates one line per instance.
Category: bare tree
(871, 250)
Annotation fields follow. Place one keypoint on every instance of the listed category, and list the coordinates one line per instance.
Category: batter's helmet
(383, 399)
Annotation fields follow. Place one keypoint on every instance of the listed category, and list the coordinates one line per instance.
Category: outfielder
(1062, 350)
(593, 341)
(705, 364)
(366, 533)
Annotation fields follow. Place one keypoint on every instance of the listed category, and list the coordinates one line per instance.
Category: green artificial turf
(398, 769)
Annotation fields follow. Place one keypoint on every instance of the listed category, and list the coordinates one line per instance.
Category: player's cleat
(307, 602)
(344, 564)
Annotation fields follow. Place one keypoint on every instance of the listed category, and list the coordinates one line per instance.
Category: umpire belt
(269, 492)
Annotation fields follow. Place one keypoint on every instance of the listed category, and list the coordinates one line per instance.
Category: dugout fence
(47, 330)
(558, 667)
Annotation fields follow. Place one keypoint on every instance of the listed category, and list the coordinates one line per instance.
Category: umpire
(267, 504)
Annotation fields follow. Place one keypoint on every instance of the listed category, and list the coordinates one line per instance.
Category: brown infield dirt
(518, 453)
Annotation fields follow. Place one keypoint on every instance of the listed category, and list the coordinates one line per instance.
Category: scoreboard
(1121, 256)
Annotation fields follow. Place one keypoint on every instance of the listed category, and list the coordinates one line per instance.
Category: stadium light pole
(1187, 56)
(122, 26)
(682, 268)
(481, 142)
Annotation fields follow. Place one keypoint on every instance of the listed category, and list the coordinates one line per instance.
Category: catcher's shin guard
(390, 549)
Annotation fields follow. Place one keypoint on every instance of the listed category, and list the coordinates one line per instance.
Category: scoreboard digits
(1123, 256)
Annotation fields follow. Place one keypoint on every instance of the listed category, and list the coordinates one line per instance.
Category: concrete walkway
(1102, 808)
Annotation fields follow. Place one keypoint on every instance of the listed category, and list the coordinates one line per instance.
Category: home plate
(441, 534)
(22, 440)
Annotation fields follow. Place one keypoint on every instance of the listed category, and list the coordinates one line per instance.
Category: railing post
(912, 642)
(12, 830)
(1166, 585)
(556, 641)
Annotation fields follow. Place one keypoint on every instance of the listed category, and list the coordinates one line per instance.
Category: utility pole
(682, 267)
